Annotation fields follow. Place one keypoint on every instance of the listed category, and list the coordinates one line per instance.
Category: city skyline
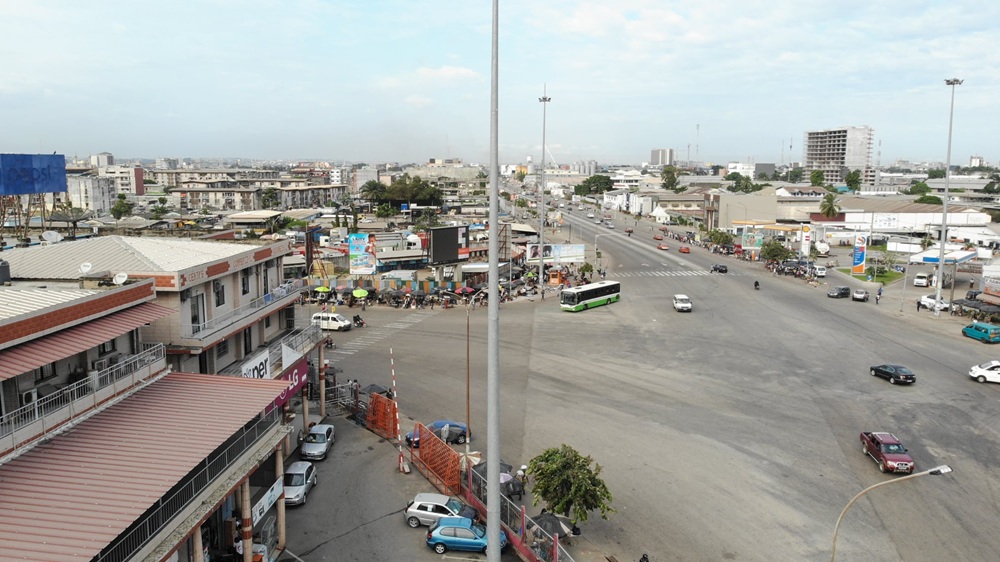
(312, 80)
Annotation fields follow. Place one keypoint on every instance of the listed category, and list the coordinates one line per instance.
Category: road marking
(293, 556)
(373, 335)
(667, 273)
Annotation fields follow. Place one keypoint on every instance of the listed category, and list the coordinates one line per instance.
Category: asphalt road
(730, 433)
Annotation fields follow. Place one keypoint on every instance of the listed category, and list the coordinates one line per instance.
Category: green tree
(853, 180)
(829, 207)
(935, 174)
(384, 211)
(929, 199)
(425, 220)
(521, 203)
(519, 176)
(122, 208)
(720, 237)
(374, 192)
(775, 250)
(564, 480)
(816, 178)
(596, 184)
(919, 188)
(795, 175)
(670, 179)
(269, 198)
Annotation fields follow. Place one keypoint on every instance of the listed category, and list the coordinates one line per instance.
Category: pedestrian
(972, 283)
(918, 305)
(878, 296)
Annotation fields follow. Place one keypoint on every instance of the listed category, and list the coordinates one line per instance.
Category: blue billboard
(27, 174)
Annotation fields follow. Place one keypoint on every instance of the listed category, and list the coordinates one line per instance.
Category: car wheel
(864, 448)
(460, 440)
(873, 373)
(892, 380)
(585, 306)
(981, 378)
(881, 466)
(413, 522)
(440, 548)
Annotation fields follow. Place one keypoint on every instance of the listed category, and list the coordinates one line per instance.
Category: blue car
(459, 533)
(457, 433)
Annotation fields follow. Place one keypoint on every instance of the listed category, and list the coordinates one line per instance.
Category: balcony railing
(299, 340)
(46, 414)
(288, 289)
(166, 509)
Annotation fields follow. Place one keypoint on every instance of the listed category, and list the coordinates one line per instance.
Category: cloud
(418, 101)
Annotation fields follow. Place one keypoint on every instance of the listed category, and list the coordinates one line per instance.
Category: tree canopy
(930, 199)
(853, 180)
(413, 189)
(829, 207)
(919, 188)
(935, 174)
(816, 178)
(670, 179)
(775, 250)
(596, 184)
(568, 485)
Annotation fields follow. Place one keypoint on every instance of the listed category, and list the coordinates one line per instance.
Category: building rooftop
(17, 301)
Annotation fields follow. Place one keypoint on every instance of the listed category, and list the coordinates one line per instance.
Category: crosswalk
(668, 273)
(371, 335)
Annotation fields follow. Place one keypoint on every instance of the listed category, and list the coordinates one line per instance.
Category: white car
(927, 301)
(682, 303)
(331, 321)
(987, 372)
(611, 225)
(590, 215)
(922, 280)
(820, 271)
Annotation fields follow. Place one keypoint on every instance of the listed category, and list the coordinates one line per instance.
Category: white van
(330, 321)
(922, 280)
(820, 271)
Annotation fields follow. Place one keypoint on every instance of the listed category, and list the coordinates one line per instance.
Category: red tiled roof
(71, 341)
(71, 497)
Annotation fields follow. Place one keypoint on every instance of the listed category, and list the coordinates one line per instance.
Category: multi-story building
(127, 179)
(661, 157)
(837, 152)
(102, 160)
(89, 192)
(167, 163)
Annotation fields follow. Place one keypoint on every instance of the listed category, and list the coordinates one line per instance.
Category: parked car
(820, 271)
(986, 333)
(922, 280)
(425, 509)
(300, 477)
(839, 292)
(719, 268)
(894, 373)
(590, 215)
(331, 321)
(317, 442)
(860, 295)
(684, 250)
(927, 301)
(459, 533)
(682, 303)
(986, 372)
(457, 433)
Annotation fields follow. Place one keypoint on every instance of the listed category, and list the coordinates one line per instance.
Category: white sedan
(927, 301)
(987, 372)
(590, 215)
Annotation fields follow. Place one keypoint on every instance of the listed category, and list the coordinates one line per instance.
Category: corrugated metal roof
(130, 254)
(66, 343)
(15, 301)
(69, 498)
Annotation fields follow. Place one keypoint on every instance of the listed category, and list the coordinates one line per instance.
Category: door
(197, 312)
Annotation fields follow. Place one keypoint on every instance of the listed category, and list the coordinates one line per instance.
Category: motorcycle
(328, 344)
(756, 285)
(359, 322)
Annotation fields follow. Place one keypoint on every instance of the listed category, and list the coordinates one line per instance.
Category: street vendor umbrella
(480, 468)
(465, 290)
(360, 293)
(322, 289)
(418, 293)
(396, 293)
(553, 524)
(368, 287)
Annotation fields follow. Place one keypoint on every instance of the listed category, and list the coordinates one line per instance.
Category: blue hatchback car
(459, 533)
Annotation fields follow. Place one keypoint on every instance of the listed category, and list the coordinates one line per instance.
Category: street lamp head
(544, 99)
(938, 470)
(953, 82)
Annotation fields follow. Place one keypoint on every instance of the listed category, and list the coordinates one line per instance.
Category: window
(220, 292)
(106, 348)
(44, 372)
(245, 280)
(222, 348)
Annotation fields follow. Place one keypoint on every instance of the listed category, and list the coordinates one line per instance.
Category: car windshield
(316, 438)
(479, 530)
(454, 505)
(892, 448)
(903, 371)
(294, 479)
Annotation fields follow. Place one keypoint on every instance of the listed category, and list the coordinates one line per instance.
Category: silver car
(425, 509)
(300, 477)
(317, 443)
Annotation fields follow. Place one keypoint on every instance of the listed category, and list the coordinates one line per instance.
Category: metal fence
(285, 290)
(166, 508)
(523, 534)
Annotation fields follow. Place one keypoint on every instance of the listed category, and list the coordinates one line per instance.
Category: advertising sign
(752, 240)
(556, 253)
(263, 504)
(28, 174)
(449, 244)
(860, 254)
(259, 367)
(361, 248)
(297, 377)
(806, 240)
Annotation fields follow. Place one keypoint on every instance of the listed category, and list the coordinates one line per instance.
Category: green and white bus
(587, 296)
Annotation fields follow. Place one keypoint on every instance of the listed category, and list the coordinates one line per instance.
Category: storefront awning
(71, 341)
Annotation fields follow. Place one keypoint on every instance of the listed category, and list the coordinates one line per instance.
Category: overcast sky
(394, 80)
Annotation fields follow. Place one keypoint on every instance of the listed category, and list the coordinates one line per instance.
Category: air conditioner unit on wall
(101, 364)
(29, 397)
(185, 294)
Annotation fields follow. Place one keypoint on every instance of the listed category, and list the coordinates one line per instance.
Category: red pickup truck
(887, 451)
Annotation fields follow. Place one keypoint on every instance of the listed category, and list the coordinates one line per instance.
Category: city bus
(587, 296)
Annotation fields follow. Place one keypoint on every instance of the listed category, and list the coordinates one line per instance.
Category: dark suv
(720, 268)
(839, 293)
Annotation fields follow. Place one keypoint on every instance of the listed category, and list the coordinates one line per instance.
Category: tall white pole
(541, 199)
(944, 210)
(493, 315)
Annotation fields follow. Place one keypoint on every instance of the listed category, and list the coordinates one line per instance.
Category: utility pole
(541, 199)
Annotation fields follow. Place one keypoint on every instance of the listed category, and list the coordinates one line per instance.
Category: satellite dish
(85, 267)
(120, 278)
(52, 236)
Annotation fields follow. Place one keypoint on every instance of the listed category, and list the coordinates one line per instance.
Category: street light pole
(944, 210)
(938, 470)
(541, 198)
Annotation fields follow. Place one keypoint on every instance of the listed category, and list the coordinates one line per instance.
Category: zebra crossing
(667, 273)
(373, 334)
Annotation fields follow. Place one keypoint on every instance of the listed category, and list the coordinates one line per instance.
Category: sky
(405, 81)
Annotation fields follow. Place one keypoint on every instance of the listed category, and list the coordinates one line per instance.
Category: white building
(92, 193)
(836, 152)
(127, 179)
(101, 160)
(661, 157)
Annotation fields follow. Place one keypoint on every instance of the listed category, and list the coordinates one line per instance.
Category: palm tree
(374, 191)
(829, 207)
